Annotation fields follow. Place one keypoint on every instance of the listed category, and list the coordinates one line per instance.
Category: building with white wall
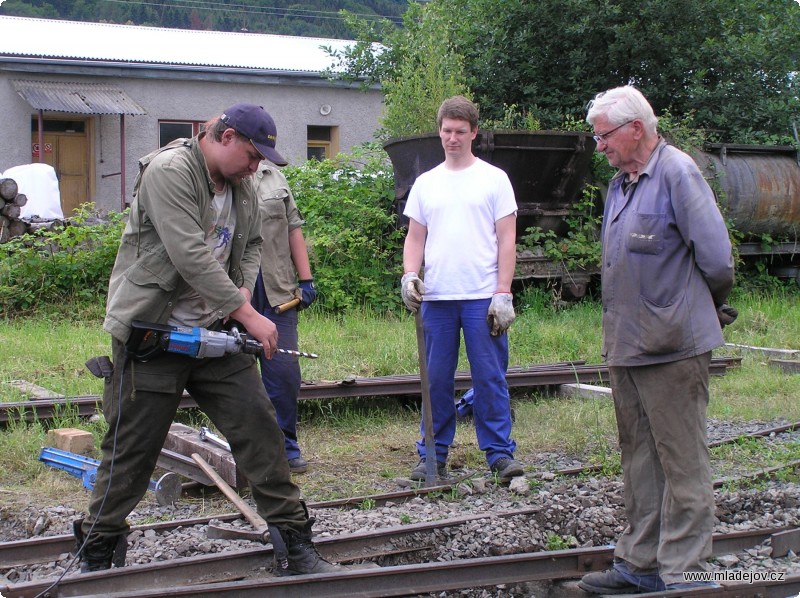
(92, 98)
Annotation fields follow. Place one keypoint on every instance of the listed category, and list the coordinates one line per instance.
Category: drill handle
(247, 344)
(144, 343)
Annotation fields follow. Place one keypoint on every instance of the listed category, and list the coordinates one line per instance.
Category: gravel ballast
(566, 512)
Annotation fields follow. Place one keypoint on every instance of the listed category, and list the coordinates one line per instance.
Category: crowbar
(249, 512)
(431, 475)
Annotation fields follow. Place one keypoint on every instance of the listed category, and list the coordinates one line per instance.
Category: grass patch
(359, 446)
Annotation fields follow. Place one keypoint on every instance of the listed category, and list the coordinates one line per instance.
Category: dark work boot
(295, 553)
(420, 471)
(620, 579)
(100, 554)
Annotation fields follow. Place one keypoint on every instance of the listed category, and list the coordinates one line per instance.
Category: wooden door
(68, 154)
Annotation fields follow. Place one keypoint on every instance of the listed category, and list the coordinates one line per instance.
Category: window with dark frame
(170, 130)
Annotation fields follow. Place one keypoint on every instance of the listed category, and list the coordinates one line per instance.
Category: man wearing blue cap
(189, 256)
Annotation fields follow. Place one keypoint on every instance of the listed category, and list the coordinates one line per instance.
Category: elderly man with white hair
(667, 270)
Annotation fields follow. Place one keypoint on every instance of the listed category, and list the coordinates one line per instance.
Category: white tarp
(39, 183)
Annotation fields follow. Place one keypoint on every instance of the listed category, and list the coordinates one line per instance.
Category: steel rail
(404, 385)
(430, 578)
(757, 434)
(761, 474)
(242, 574)
(246, 563)
(571, 471)
(48, 548)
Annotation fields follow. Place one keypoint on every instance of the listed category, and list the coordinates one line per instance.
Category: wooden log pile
(11, 202)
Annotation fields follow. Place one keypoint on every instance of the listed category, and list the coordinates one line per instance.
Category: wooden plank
(767, 351)
(790, 366)
(584, 391)
(186, 441)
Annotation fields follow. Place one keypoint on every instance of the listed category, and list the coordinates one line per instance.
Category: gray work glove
(412, 290)
(501, 313)
(726, 314)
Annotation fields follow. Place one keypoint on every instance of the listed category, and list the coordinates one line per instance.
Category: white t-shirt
(459, 209)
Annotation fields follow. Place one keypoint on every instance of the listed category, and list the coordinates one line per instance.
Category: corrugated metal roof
(80, 98)
(50, 38)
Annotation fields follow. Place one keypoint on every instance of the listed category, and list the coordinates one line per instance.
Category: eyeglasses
(604, 136)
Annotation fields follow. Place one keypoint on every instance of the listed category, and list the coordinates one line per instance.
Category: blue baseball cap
(257, 125)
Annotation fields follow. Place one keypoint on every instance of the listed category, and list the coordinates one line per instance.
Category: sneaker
(298, 465)
(420, 471)
(506, 468)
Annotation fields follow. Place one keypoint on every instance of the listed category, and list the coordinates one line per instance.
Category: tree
(417, 65)
(730, 66)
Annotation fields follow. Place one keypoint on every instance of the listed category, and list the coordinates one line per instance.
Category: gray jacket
(667, 264)
(163, 249)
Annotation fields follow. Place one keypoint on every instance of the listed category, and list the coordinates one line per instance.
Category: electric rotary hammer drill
(148, 340)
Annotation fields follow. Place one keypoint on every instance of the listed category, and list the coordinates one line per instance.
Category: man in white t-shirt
(462, 221)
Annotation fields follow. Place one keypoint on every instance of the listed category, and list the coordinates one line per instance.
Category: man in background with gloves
(462, 221)
(285, 275)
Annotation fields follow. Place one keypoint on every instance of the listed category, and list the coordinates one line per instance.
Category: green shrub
(53, 266)
(354, 244)
(580, 247)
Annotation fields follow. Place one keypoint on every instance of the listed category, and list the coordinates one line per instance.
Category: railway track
(244, 572)
(400, 385)
(48, 548)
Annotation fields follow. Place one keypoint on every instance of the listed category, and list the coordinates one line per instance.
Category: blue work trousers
(443, 322)
(281, 374)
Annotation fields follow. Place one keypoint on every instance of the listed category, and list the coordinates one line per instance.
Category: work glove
(726, 314)
(306, 292)
(501, 313)
(412, 290)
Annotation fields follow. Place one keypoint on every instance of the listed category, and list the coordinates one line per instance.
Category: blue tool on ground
(167, 488)
(464, 405)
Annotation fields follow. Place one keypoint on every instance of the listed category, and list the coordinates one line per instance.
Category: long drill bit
(298, 353)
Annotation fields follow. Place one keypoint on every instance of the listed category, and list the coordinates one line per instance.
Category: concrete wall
(293, 105)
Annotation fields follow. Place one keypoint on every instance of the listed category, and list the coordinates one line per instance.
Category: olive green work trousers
(139, 403)
(669, 495)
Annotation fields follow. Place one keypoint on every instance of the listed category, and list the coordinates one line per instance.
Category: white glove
(501, 313)
(412, 290)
